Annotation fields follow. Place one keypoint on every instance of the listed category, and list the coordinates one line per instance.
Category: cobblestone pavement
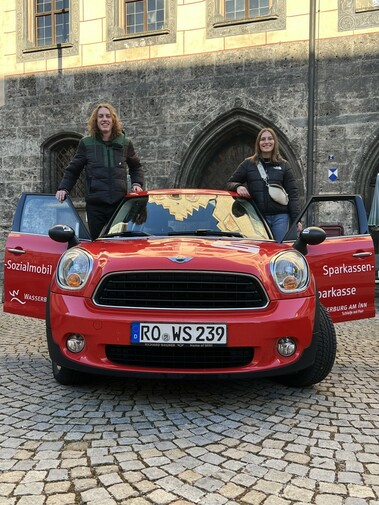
(210, 443)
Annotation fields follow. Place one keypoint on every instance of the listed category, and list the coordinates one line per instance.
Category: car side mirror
(64, 233)
(312, 235)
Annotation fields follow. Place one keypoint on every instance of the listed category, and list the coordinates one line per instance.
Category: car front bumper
(252, 336)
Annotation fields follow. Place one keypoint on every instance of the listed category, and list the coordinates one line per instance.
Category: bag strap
(262, 172)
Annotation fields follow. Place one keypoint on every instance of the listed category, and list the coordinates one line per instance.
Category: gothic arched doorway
(214, 154)
(368, 172)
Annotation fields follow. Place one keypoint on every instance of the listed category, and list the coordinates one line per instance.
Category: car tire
(325, 356)
(66, 376)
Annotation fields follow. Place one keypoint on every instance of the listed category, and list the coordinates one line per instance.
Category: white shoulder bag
(276, 191)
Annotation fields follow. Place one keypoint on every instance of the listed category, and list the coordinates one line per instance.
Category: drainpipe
(311, 95)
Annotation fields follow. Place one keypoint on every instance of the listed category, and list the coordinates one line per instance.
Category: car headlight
(74, 268)
(290, 271)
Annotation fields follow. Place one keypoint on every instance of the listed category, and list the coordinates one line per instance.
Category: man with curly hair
(105, 155)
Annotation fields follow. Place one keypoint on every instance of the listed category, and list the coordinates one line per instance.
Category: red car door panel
(31, 255)
(345, 273)
(344, 264)
(29, 263)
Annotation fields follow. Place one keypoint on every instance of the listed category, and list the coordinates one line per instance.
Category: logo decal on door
(14, 295)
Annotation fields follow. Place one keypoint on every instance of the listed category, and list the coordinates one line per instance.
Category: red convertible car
(190, 282)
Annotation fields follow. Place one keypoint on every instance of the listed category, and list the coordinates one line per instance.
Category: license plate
(178, 334)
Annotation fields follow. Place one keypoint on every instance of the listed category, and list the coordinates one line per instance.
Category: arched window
(58, 151)
(60, 158)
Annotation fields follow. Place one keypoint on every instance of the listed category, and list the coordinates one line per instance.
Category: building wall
(178, 92)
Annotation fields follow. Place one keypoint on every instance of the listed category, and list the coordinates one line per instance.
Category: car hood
(183, 253)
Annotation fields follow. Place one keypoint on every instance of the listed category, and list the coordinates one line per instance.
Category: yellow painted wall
(191, 35)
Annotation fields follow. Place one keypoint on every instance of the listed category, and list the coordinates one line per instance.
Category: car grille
(180, 358)
(180, 290)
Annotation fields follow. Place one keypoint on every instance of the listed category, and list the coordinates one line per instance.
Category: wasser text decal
(28, 267)
(27, 297)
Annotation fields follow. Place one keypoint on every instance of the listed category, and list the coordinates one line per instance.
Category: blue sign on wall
(333, 174)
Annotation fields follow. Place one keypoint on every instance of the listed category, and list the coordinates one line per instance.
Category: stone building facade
(193, 91)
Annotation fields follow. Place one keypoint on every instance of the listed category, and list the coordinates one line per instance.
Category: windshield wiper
(129, 233)
(203, 232)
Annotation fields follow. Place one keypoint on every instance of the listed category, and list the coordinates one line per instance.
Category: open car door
(344, 264)
(31, 255)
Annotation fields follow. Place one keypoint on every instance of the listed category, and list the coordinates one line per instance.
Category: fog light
(75, 343)
(286, 346)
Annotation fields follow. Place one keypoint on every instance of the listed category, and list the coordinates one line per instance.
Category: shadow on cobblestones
(139, 442)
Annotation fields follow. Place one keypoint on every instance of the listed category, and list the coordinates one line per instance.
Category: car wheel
(66, 376)
(324, 359)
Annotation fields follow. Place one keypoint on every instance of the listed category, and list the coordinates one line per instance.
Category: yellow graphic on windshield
(181, 206)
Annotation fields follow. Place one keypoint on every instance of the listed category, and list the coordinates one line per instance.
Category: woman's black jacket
(278, 173)
(105, 165)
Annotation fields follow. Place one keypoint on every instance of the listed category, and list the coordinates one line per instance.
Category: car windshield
(187, 214)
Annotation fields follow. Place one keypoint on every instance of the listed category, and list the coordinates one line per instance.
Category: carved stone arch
(366, 172)
(218, 147)
(57, 151)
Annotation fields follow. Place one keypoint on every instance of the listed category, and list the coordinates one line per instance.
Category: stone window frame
(349, 18)
(117, 38)
(217, 26)
(26, 44)
(368, 7)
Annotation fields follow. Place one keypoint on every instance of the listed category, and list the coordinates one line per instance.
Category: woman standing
(278, 171)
